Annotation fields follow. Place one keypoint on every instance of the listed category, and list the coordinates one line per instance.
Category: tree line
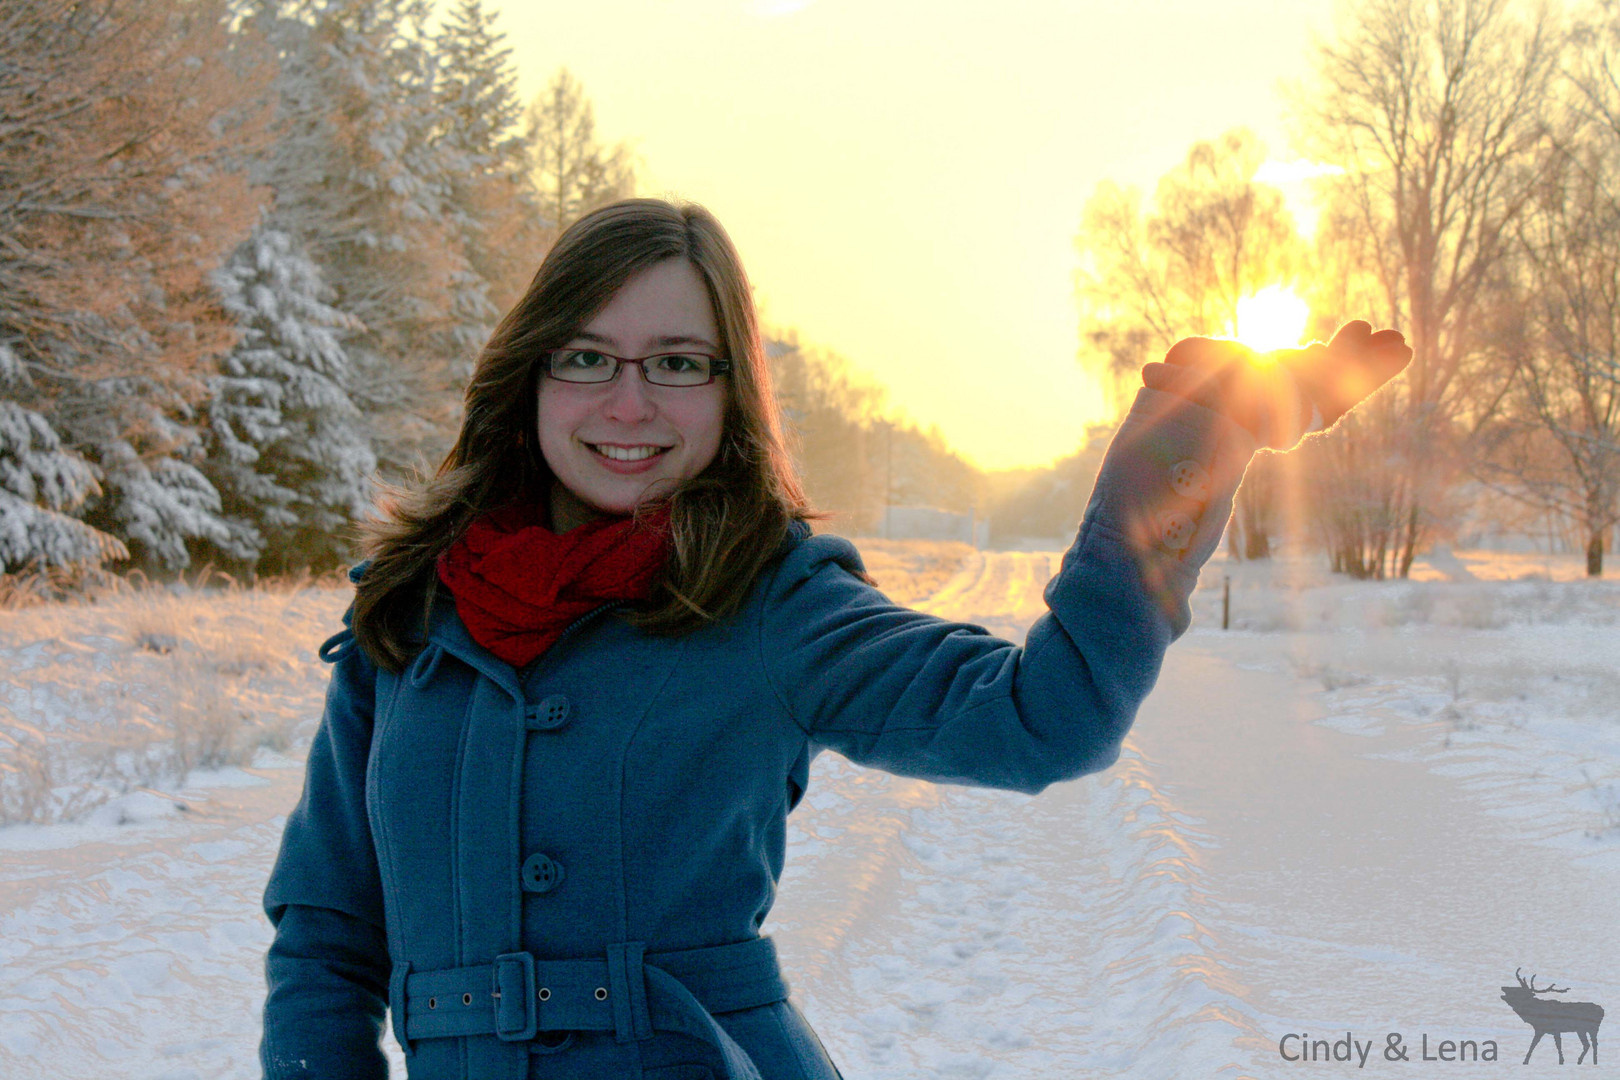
(858, 458)
(1473, 203)
(249, 250)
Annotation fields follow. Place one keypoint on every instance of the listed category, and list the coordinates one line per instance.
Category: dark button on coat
(657, 775)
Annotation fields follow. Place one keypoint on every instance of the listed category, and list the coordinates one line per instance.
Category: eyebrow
(658, 342)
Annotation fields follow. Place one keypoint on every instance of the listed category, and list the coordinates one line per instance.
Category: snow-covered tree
(162, 501)
(121, 120)
(361, 185)
(289, 451)
(41, 483)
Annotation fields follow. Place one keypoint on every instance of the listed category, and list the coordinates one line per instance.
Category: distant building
(931, 523)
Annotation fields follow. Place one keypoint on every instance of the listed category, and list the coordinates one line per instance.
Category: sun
(1273, 318)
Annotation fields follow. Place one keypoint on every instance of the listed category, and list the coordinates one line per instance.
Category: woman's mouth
(640, 452)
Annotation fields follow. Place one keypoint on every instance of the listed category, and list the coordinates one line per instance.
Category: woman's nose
(629, 396)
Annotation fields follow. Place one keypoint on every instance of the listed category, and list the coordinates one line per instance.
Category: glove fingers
(1350, 369)
(1352, 336)
(1222, 375)
(1204, 352)
(1389, 357)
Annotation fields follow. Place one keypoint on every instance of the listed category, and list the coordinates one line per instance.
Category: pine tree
(572, 173)
(361, 185)
(159, 499)
(478, 88)
(289, 450)
(491, 201)
(41, 483)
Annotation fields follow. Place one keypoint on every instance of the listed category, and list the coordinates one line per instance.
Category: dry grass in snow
(134, 687)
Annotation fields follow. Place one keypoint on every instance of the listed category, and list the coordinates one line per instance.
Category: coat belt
(629, 992)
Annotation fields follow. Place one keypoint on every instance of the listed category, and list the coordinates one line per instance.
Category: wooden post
(1226, 601)
(888, 473)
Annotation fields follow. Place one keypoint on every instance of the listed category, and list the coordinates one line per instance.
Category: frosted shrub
(25, 777)
(1413, 604)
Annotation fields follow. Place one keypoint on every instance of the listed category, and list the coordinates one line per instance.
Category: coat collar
(446, 631)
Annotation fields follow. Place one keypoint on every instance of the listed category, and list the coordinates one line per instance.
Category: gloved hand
(1273, 397)
(1347, 370)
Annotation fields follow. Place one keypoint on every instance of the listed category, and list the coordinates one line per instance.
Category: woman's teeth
(623, 453)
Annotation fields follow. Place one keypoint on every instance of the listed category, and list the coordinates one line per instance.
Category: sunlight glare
(1273, 318)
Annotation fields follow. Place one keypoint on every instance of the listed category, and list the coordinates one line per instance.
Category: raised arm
(917, 695)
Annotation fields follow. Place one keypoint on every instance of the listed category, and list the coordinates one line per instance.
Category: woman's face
(664, 308)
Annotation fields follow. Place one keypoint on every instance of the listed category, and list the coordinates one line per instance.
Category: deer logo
(1581, 1017)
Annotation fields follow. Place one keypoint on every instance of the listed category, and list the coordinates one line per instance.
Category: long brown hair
(726, 522)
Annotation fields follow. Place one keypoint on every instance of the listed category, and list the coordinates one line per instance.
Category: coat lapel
(446, 630)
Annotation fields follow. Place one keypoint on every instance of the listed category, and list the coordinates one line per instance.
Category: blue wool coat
(563, 872)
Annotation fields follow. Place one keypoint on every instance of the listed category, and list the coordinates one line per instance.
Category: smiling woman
(544, 441)
(612, 444)
(542, 840)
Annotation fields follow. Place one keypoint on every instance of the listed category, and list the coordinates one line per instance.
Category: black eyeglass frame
(718, 366)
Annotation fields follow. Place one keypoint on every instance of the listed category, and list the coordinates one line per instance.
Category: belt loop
(396, 1004)
(516, 1013)
(627, 983)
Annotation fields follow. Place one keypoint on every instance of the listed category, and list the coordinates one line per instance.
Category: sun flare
(1273, 318)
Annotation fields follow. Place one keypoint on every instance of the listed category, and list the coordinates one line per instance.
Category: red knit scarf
(517, 584)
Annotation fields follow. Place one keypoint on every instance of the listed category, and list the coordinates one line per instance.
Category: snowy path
(138, 951)
(1356, 887)
(1274, 853)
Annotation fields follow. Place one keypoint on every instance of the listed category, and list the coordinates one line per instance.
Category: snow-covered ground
(1356, 812)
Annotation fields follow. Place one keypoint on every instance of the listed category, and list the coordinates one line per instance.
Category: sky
(904, 178)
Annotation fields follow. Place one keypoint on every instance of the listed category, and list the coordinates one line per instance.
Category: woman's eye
(676, 362)
(581, 359)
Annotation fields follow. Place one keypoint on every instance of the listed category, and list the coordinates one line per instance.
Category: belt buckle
(515, 1012)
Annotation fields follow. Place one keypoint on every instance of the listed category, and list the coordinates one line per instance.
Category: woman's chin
(622, 503)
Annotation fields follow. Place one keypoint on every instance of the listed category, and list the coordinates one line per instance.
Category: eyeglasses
(665, 369)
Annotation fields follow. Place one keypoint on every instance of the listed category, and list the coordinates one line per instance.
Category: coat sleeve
(327, 969)
(324, 1013)
(916, 695)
